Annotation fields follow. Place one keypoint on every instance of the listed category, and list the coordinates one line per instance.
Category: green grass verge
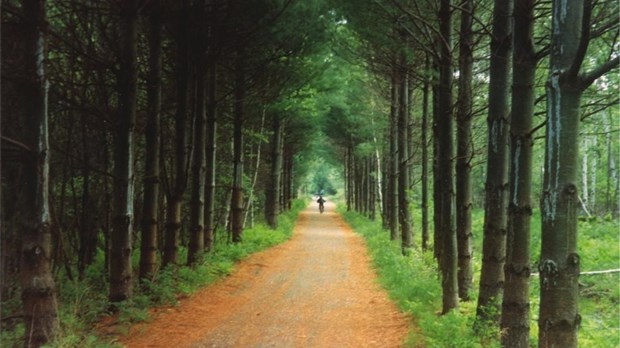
(83, 303)
(413, 283)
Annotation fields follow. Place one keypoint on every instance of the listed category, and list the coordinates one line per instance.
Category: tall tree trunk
(437, 215)
(445, 168)
(211, 150)
(287, 192)
(464, 152)
(174, 195)
(150, 208)
(237, 188)
(374, 185)
(515, 315)
(196, 238)
(611, 190)
(37, 282)
(424, 174)
(403, 161)
(347, 173)
(585, 197)
(495, 212)
(593, 176)
(88, 230)
(273, 188)
(248, 203)
(393, 186)
(350, 162)
(559, 318)
(120, 239)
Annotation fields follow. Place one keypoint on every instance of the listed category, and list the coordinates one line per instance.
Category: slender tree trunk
(593, 176)
(350, 162)
(611, 191)
(403, 162)
(211, 150)
(393, 194)
(175, 194)
(515, 316)
(378, 178)
(237, 188)
(445, 170)
(248, 205)
(385, 210)
(150, 208)
(37, 283)
(424, 178)
(437, 235)
(585, 197)
(288, 181)
(196, 238)
(374, 186)
(120, 241)
(347, 173)
(495, 212)
(88, 231)
(273, 189)
(359, 184)
(464, 152)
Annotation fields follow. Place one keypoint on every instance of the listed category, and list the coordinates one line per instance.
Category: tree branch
(589, 78)
(573, 71)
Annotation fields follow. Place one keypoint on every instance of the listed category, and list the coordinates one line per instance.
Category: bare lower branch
(589, 78)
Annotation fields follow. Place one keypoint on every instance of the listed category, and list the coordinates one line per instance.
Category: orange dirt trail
(316, 290)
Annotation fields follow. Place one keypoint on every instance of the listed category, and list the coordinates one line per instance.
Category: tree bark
(37, 283)
(174, 195)
(445, 170)
(150, 207)
(464, 152)
(515, 315)
(88, 230)
(120, 238)
(495, 212)
(196, 238)
(248, 203)
(393, 186)
(273, 189)
(611, 190)
(211, 152)
(403, 162)
(237, 188)
(424, 178)
(559, 317)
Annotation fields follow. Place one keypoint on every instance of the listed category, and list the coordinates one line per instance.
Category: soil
(316, 290)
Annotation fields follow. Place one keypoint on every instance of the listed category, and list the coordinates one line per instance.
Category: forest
(148, 145)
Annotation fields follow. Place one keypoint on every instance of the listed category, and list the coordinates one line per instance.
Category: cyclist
(321, 201)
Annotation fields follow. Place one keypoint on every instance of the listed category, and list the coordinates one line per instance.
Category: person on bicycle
(321, 201)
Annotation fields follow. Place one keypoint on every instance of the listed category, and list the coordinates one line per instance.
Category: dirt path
(317, 290)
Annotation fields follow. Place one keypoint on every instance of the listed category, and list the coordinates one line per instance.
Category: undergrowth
(413, 284)
(83, 304)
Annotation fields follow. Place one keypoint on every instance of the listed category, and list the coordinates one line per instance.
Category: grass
(414, 286)
(82, 304)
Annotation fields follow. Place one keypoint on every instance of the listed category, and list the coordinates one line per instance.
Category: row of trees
(112, 114)
(533, 67)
